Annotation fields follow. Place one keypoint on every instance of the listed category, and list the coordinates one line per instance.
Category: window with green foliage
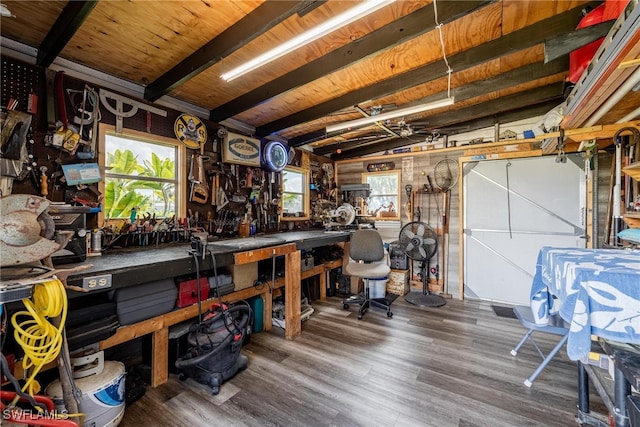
(385, 194)
(141, 175)
(295, 198)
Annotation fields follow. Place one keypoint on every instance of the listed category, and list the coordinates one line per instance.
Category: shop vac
(215, 342)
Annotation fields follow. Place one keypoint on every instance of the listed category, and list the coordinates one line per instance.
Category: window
(385, 194)
(141, 173)
(295, 194)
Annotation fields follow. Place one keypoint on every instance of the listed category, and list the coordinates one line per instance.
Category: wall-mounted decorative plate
(190, 131)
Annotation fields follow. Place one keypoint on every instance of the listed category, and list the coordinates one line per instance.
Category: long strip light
(315, 33)
(353, 124)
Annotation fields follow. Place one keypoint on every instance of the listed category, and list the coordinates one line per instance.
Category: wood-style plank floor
(447, 366)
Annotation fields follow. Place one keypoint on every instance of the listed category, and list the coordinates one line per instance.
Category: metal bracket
(119, 112)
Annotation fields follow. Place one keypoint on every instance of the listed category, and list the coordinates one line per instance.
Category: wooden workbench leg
(323, 285)
(160, 357)
(267, 315)
(292, 295)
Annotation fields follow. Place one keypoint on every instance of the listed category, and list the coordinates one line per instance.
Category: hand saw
(199, 186)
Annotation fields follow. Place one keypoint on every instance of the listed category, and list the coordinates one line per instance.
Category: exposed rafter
(517, 40)
(68, 22)
(517, 76)
(419, 22)
(551, 94)
(567, 43)
(262, 19)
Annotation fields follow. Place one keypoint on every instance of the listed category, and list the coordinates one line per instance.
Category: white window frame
(374, 193)
(181, 164)
(305, 195)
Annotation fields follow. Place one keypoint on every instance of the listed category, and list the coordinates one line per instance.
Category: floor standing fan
(420, 242)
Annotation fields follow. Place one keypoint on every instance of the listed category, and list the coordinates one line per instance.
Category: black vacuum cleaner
(215, 342)
(214, 346)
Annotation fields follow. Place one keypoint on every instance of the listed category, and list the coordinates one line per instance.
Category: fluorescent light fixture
(389, 115)
(315, 33)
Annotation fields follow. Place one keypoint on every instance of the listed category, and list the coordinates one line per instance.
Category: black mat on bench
(503, 311)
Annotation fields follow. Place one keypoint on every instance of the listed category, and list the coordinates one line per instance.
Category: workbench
(129, 267)
(615, 390)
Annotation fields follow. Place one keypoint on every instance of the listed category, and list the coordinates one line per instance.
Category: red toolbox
(188, 293)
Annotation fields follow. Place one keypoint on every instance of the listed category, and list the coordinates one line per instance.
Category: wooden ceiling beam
(519, 101)
(68, 22)
(506, 80)
(567, 43)
(509, 43)
(506, 117)
(419, 22)
(262, 19)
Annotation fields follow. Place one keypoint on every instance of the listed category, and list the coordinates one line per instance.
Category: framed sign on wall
(240, 149)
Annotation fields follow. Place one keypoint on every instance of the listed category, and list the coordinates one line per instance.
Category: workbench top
(136, 265)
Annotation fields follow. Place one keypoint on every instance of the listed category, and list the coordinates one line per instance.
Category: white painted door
(511, 209)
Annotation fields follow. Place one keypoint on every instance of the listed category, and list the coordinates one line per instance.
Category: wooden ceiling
(389, 59)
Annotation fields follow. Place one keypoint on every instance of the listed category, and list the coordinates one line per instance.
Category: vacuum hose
(182, 363)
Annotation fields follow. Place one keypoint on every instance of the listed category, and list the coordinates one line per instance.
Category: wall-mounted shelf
(633, 170)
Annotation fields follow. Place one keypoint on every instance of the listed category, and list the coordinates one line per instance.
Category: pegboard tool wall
(19, 81)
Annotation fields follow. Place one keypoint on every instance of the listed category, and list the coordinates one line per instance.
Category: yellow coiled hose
(33, 330)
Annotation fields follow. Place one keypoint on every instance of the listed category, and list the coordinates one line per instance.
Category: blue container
(257, 306)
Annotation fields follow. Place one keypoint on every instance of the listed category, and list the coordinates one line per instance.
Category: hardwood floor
(447, 366)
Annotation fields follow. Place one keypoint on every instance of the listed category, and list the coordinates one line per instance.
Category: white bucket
(102, 398)
(377, 288)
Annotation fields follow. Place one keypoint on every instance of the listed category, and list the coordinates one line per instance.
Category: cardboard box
(243, 275)
(306, 263)
(398, 282)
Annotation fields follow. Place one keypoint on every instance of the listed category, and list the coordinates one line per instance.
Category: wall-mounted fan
(420, 243)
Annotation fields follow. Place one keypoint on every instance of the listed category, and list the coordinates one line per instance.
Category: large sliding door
(511, 209)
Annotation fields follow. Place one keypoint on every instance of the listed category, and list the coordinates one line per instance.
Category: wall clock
(275, 156)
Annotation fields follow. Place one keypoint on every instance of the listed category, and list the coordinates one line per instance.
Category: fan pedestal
(424, 300)
(420, 243)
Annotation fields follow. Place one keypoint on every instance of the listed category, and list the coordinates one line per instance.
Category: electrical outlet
(93, 283)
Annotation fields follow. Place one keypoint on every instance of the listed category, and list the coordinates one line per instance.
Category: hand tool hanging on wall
(87, 117)
(191, 177)
(200, 188)
(13, 144)
(119, 111)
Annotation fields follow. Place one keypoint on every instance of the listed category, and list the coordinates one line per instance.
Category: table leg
(292, 295)
(267, 299)
(583, 389)
(160, 357)
(622, 389)
(323, 285)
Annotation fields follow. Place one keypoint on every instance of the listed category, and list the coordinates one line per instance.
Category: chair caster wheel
(389, 314)
(345, 306)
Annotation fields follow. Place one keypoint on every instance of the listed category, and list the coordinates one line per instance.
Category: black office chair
(368, 260)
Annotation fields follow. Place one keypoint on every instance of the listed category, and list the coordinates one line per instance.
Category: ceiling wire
(439, 26)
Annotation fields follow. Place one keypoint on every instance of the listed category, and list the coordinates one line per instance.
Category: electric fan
(420, 242)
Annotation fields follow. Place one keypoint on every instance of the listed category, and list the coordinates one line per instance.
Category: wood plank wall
(350, 172)
(430, 204)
